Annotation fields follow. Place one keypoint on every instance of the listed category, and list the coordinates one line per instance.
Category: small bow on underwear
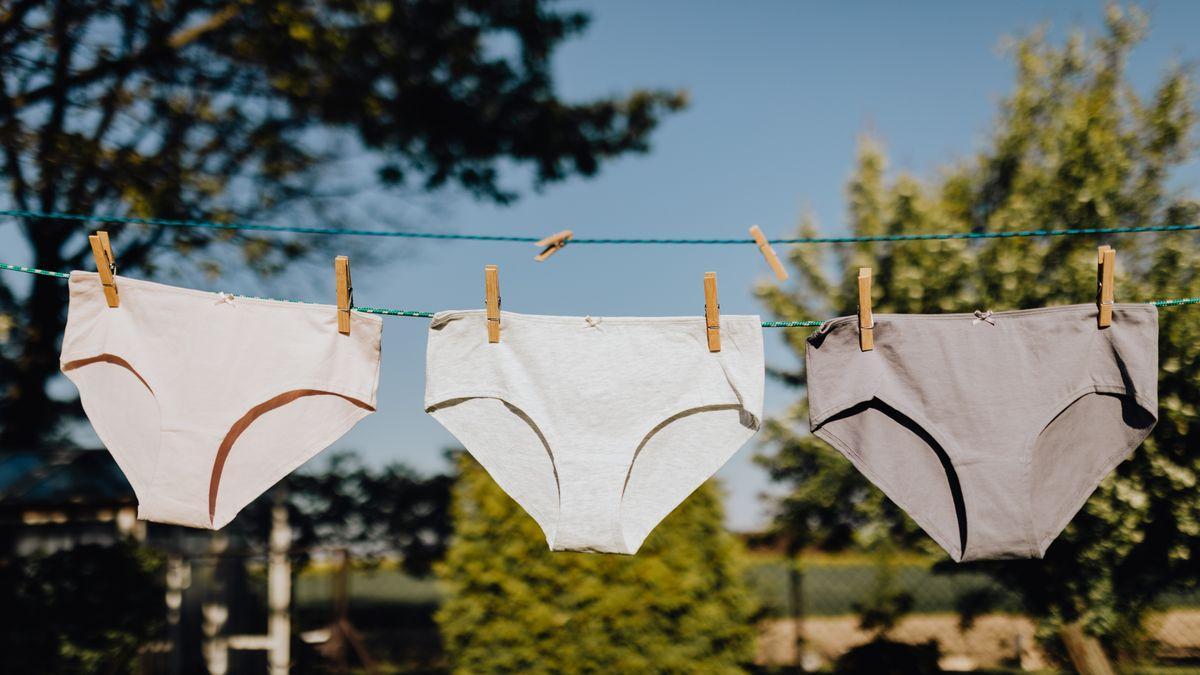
(224, 297)
(983, 316)
(592, 322)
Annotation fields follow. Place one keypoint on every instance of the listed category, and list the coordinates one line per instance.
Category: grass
(378, 586)
(831, 585)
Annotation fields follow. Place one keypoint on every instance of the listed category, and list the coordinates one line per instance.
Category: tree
(54, 604)
(679, 606)
(372, 512)
(250, 109)
(1074, 146)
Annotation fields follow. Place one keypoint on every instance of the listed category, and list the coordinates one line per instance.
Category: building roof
(59, 478)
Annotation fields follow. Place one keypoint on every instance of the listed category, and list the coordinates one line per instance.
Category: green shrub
(679, 606)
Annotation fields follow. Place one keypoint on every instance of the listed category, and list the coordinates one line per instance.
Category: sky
(780, 92)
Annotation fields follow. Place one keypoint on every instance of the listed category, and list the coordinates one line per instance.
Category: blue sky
(780, 91)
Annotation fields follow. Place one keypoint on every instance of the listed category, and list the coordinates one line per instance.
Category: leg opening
(673, 460)
(905, 461)
(123, 412)
(512, 448)
(283, 434)
(1076, 450)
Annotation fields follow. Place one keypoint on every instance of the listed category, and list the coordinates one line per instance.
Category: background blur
(649, 119)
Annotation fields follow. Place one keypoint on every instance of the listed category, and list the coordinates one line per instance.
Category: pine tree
(678, 606)
(1074, 146)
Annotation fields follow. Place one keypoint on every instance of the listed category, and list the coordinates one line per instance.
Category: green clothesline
(208, 224)
(426, 315)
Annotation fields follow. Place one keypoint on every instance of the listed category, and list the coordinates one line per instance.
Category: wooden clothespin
(866, 319)
(712, 312)
(768, 253)
(345, 292)
(491, 284)
(552, 243)
(106, 266)
(1105, 286)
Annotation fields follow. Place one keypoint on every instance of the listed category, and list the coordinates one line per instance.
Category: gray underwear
(989, 430)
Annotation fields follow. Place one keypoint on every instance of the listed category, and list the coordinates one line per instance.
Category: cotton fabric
(205, 400)
(597, 426)
(990, 429)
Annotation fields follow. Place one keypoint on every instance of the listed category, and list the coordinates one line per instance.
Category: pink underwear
(206, 400)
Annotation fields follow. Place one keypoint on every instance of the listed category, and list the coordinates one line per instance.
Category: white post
(279, 592)
(179, 577)
(216, 647)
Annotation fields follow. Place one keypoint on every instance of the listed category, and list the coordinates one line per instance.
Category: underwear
(597, 427)
(990, 430)
(206, 400)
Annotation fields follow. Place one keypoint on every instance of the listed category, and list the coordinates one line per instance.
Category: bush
(82, 610)
(679, 606)
(884, 657)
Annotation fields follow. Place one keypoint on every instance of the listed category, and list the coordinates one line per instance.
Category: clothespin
(866, 319)
(106, 266)
(712, 312)
(552, 243)
(345, 292)
(768, 253)
(491, 285)
(1107, 264)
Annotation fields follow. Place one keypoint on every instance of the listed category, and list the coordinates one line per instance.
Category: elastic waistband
(444, 316)
(80, 276)
(1008, 313)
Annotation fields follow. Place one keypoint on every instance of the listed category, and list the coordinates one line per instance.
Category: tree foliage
(679, 606)
(1074, 146)
(252, 109)
(54, 607)
(372, 512)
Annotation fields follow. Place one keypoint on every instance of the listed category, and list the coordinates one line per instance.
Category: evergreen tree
(679, 606)
(264, 110)
(1074, 146)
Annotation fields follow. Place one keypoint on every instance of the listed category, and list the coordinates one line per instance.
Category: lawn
(831, 585)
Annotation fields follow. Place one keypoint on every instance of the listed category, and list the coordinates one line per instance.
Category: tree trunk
(29, 416)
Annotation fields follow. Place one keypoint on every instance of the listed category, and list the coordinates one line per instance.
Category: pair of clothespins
(106, 267)
(551, 244)
(712, 308)
(1106, 266)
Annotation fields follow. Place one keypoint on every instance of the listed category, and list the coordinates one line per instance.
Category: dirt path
(993, 641)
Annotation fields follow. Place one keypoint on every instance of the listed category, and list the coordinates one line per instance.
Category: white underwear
(597, 427)
(195, 392)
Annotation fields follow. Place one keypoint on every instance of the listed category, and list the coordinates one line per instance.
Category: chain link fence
(816, 610)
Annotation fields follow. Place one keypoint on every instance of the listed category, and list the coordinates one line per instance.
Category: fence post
(796, 586)
(1085, 651)
(279, 591)
(178, 578)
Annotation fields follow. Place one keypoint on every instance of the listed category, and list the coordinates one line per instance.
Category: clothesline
(1174, 302)
(334, 231)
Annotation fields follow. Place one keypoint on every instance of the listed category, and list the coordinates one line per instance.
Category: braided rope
(426, 315)
(209, 224)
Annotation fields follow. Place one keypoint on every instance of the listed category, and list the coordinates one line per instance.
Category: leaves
(679, 606)
(252, 110)
(374, 512)
(55, 604)
(1073, 146)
